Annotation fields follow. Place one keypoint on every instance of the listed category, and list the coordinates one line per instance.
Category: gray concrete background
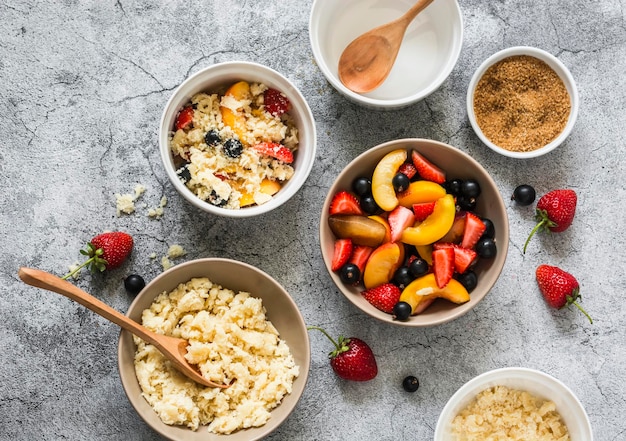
(82, 88)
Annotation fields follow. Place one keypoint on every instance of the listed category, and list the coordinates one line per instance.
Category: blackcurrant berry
(362, 186)
(418, 267)
(402, 277)
(470, 188)
(468, 279)
(454, 187)
(402, 311)
(490, 229)
(134, 283)
(212, 137)
(465, 203)
(524, 194)
(233, 148)
(410, 384)
(400, 182)
(350, 273)
(486, 247)
(369, 205)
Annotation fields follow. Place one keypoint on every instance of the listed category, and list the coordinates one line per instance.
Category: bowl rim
(491, 378)
(557, 66)
(248, 69)
(454, 313)
(127, 378)
(378, 103)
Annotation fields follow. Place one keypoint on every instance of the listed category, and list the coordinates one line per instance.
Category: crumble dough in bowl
(241, 324)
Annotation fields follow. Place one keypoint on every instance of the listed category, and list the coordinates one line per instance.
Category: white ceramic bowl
(533, 381)
(222, 75)
(282, 311)
(457, 164)
(562, 72)
(429, 51)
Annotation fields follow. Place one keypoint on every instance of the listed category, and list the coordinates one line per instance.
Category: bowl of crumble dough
(243, 329)
(237, 139)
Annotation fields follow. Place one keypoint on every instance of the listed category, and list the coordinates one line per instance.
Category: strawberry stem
(571, 300)
(341, 346)
(543, 223)
(94, 263)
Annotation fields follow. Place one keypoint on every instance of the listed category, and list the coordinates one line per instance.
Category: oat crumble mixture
(208, 166)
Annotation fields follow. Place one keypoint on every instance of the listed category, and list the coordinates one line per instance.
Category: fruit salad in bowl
(414, 232)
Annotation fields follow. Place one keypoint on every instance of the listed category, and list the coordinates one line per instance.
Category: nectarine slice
(435, 226)
(382, 264)
(425, 288)
(382, 187)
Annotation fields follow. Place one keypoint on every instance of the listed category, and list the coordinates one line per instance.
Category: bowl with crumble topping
(237, 139)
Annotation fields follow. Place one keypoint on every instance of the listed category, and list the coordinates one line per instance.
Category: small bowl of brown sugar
(522, 102)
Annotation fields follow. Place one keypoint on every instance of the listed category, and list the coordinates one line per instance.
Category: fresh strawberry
(474, 228)
(184, 118)
(383, 297)
(342, 253)
(106, 251)
(443, 265)
(408, 170)
(559, 288)
(275, 150)
(276, 103)
(423, 210)
(345, 203)
(427, 170)
(399, 219)
(463, 258)
(555, 212)
(360, 254)
(352, 358)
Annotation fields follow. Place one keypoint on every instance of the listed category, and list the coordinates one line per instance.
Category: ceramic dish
(220, 76)
(429, 51)
(561, 71)
(237, 276)
(535, 382)
(457, 164)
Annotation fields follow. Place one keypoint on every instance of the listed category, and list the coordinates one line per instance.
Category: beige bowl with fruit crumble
(456, 165)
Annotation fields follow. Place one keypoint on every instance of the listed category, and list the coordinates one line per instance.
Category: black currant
(400, 182)
(212, 137)
(466, 204)
(233, 148)
(490, 229)
(418, 267)
(402, 311)
(470, 188)
(184, 174)
(362, 186)
(468, 279)
(454, 187)
(134, 283)
(486, 247)
(402, 277)
(410, 384)
(524, 194)
(369, 205)
(350, 273)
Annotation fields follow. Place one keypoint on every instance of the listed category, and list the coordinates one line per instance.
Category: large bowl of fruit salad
(237, 139)
(414, 232)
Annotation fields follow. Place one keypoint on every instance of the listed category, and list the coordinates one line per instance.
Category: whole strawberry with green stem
(352, 358)
(105, 251)
(555, 212)
(559, 288)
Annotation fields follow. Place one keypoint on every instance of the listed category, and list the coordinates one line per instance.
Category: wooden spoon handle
(415, 9)
(50, 282)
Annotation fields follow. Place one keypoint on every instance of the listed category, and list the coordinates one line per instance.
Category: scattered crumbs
(153, 256)
(125, 203)
(73, 268)
(158, 211)
(173, 252)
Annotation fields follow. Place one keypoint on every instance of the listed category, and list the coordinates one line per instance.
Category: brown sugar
(521, 104)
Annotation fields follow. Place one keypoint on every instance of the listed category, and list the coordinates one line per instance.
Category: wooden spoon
(366, 62)
(173, 348)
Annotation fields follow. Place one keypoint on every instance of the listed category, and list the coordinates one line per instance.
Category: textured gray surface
(82, 87)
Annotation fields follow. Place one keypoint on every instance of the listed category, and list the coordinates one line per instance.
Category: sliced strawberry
(342, 253)
(443, 265)
(474, 228)
(463, 258)
(399, 219)
(276, 103)
(184, 118)
(275, 150)
(345, 203)
(383, 297)
(427, 169)
(360, 254)
(408, 169)
(423, 210)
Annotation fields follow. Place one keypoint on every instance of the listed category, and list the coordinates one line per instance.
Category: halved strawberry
(345, 203)
(399, 219)
(276, 103)
(360, 254)
(408, 169)
(342, 253)
(443, 265)
(423, 210)
(427, 169)
(383, 297)
(275, 150)
(463, 257)
(184, 118)
(474, 228)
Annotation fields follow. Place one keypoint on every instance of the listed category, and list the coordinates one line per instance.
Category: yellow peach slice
(267, 186)
(435, 226)
(382, 187)
(232, 116)
(420, 192)
(425, 288)
(382, 264)
(385, 224)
